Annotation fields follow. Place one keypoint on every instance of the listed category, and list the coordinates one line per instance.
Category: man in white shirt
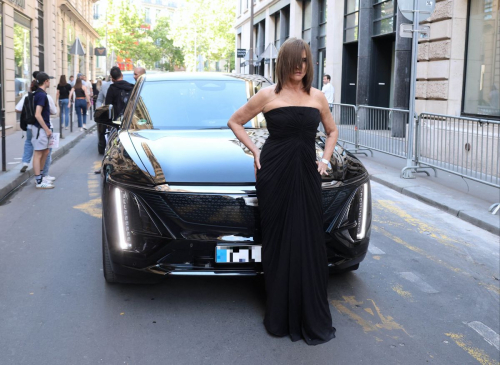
(28, 147)
(328, 90)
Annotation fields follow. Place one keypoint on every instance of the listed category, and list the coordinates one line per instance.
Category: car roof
(213, 76)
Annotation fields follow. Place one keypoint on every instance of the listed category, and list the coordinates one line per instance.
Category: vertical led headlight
(122, 216)
(363, 211)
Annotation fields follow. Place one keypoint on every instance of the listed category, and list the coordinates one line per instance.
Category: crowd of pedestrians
(37, 106)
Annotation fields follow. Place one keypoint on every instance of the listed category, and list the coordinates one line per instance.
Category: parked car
(178, 189)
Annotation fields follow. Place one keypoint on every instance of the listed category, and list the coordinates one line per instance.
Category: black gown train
(293, 243)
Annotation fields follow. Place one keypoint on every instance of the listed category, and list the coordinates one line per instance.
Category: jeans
(64, 111)
(81, 109)
(28, 153)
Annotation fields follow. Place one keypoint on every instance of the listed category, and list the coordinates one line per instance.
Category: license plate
(237, 254)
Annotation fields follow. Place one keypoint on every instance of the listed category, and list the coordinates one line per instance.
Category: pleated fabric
(293, 244)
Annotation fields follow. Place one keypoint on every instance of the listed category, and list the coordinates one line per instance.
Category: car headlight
(355, 218)
(136, 230)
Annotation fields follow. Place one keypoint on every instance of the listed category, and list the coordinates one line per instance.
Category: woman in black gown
(288, 184)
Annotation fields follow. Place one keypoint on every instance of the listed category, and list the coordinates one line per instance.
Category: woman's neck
(294, 86)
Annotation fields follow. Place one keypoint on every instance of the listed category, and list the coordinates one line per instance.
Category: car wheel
(109, 274)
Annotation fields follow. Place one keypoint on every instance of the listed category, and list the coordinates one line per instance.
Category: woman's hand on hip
(256, 163)
(322, 168)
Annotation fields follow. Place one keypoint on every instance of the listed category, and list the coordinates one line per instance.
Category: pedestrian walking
(293, 242)
(118, 92)
(328, 90)
(62, 99)
(28, 147)
(41, 131)
(82, 102)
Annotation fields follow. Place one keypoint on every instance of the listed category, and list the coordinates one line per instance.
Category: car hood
(197, 156)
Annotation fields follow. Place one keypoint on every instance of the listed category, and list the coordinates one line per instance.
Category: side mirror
(104, 115)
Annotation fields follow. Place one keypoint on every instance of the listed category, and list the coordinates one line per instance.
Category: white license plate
(237, 254)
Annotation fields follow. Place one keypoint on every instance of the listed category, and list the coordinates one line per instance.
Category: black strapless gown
(293, 242)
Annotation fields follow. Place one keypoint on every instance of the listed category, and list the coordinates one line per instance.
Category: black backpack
(124, 97)
(28, 112)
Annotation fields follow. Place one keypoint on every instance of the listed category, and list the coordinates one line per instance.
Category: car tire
(109, 274)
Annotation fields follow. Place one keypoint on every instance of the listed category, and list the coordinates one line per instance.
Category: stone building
(37, 36)
(358, 43)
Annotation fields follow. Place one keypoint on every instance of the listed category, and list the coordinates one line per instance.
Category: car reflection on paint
(178, 189)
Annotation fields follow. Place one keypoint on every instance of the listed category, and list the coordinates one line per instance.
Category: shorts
(39, 139)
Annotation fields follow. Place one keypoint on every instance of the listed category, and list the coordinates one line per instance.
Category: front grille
(227, 211)
(216, 210)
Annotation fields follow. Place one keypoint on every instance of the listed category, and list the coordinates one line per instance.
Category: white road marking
(13, 163)
(18, 158)
(420, 283)
(375, 250)
(487, 333)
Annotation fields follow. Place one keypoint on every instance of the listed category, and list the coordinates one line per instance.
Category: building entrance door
(381, 79)
(349, 73)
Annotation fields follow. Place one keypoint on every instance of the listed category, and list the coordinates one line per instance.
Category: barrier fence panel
(344, 116)
(466, 147)
(383, 129)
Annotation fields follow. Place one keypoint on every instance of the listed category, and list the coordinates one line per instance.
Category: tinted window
(188, 104)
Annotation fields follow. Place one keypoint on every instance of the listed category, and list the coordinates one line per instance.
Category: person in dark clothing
(118, 92)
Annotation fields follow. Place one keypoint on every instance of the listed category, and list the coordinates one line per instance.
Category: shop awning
(76, 48)
(270, 53)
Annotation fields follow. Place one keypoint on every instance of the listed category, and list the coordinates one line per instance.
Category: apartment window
(96, 11)
(322, 24)
(482, 71)
(384, 17)
(306, 20)
(277, 29)
(22, 54)
(41, 48)
(351, 17)
(147, 13)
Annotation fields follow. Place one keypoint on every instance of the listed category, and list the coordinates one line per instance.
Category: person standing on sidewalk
(328, 90)
(138, 71)
(62, 97)
(28, 147)
(82, 102)
(41, 130)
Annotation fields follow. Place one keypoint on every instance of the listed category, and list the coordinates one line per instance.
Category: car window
(188, 104)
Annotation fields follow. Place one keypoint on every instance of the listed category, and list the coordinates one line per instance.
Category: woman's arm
(57, 96)
(86, 95)
(246, 113)
(70, 97)
(331, 131)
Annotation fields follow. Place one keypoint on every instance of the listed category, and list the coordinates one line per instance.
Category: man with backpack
(118, 92)
(26, 108)
(41, 130)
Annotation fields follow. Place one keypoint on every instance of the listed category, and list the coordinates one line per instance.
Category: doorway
(349, 73)
(382, 80)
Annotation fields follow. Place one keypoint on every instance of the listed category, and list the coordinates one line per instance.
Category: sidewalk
(12, 178)
(443, 192)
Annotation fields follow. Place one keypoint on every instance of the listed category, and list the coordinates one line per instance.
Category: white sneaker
(49, 178)
(44, 185)
(85, 127)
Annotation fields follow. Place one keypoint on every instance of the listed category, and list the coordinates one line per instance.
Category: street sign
(241, 52)
(406, 31)
(426, 7)
(100, 51)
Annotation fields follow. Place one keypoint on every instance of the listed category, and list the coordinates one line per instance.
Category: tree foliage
(128, 37)
(208, 26)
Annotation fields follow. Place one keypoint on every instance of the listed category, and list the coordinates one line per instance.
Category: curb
(457, 213)
(56, 155)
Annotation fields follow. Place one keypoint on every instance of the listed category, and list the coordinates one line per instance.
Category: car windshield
(188, 104)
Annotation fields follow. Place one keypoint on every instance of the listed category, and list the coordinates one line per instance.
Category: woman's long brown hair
(78, 83)
(290, 59)
(62, 80)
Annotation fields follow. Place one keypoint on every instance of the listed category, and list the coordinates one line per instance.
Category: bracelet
(325, 161)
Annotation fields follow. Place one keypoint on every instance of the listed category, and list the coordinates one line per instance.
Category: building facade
(358, 43)
(37, 36)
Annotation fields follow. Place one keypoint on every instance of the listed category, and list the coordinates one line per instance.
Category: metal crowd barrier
(346, 119)
(466, 147)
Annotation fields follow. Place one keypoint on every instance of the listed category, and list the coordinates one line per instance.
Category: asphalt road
(428, 291)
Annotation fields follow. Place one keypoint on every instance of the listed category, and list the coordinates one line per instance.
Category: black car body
(178, 188)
